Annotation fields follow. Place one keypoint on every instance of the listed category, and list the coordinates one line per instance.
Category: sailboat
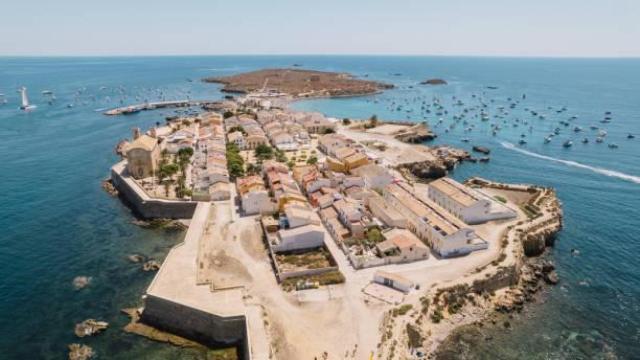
(25, 100)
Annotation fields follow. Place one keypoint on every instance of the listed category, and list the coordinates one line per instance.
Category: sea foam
(595, 169)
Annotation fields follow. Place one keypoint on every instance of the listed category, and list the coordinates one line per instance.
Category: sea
(56, 223)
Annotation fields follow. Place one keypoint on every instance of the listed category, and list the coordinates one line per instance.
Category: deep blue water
(57, 223)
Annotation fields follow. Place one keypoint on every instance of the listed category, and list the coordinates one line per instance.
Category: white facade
(304, 237)
(467, 204)
(256, 202)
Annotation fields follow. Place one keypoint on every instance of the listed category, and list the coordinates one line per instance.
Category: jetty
(132, 109)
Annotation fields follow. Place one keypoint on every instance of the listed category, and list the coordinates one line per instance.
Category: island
(298, 83)
(434, 82)
(315, 237)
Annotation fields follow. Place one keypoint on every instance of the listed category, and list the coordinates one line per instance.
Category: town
(302, 223)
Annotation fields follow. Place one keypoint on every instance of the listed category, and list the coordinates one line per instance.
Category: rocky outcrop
(433, 82)
(80, 352)
(416, 134)
(135, 258)
(160, 223)
(90, 327)
(151, 265)
(481, 149)
(427, 169)
(109, 188)
(80, 282)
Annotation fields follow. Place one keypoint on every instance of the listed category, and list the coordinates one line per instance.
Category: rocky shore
(416, 134)
(446, 159)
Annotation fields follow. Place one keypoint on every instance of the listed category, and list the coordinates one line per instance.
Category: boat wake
(598, 170)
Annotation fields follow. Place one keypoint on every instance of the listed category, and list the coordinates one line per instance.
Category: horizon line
(505, 56)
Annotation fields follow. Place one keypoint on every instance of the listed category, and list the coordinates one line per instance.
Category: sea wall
(205, 328)
(142, 204)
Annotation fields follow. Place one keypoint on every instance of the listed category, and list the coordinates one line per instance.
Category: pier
(132, 109)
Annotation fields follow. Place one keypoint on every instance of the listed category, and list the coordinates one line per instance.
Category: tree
(373, 122)
(346, 121)
(264, 152)
(281, 156)
(329, 131)
(227, 114)
(237, 128)
(312, 160)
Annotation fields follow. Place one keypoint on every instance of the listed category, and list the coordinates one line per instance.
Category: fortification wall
(200, 326)
(145, 206)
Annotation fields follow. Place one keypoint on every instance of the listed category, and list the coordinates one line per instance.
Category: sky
(546, 28)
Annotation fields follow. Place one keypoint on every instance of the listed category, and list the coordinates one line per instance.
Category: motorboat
(567, 144)
(613, 146)
(631, 136)
(585, 141)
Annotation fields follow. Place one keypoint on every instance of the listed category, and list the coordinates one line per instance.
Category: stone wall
(145, 206)
(205, 328)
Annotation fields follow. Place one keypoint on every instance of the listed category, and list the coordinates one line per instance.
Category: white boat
(25, 100)
(2, 99)
(568, 143)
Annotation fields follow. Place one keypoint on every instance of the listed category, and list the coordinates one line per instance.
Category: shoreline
(481, 285)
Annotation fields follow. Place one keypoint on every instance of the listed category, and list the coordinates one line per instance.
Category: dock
(132, 109)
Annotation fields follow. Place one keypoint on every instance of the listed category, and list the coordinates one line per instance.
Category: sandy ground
(387, 129)
(396, 152)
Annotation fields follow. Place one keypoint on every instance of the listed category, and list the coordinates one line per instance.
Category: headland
(304, 225)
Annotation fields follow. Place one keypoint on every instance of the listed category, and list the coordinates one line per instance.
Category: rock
(135, 258)
(481, 149)
(80, 352)
(80, 282)
(107, 186)
(90, 327)
(434, 82)
(151, 265)
(551, 278)
(547, 267)
(427, 170)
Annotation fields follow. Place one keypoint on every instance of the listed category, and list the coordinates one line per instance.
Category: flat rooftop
(176, 280)
(456, 191)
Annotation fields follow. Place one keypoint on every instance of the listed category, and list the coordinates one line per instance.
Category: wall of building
(142, 204)
(197, 325)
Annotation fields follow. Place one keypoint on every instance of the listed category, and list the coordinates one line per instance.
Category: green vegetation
(312, 160)
(235, 163)
(227, 114)
(314, 259)
(328, 131)
(346, 121)
(237, 128)
(402, 310)
(437, 316)
(327, 278)
(501, 199)
(374, 236)
(280, 156)
(263, 152)
(415, 339)
(253, 169)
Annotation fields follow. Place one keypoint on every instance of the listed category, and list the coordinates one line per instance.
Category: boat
(599, 139)
(585, 141)
(522, 142)
(25, 100)
(577, 129)
(613, 146)
(484, 159)
(465, 140)
(602, 133)
(547, 140)
(2, 99)
(567, 144)
(631, 136)
(481, 149)
(593, 127)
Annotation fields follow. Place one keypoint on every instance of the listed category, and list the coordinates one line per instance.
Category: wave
(595, 169)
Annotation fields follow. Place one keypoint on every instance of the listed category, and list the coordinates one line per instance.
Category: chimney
(136, 133)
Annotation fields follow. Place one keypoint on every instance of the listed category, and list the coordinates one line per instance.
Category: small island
(298, 83)
(434, 82)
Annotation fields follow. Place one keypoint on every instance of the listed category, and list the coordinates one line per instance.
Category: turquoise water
(57, 223)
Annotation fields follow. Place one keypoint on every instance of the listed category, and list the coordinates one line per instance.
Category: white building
(303, 237)
(467, 204)
(395, 281)
(375, 177)
(446, 235)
